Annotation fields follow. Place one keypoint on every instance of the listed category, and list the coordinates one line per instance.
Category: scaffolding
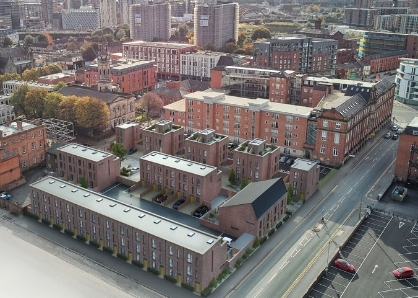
(57, 131)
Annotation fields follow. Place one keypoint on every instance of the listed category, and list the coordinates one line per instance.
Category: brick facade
(406, 159)
(304, 178)
(9, 169)
(163, 137)
(128, 134)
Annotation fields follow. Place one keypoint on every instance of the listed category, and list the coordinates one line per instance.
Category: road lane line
(284, 265)
(272, 278)
(294, 252)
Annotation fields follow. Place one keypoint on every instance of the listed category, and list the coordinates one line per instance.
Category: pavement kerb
(91, 260)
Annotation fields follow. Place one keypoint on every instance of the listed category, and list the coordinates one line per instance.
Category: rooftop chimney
(19, 125)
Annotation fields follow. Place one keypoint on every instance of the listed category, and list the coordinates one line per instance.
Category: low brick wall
(126, 181)
(14, 184)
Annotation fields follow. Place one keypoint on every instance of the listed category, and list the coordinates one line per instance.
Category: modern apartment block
(108, 14)
(207, 147)
(198, 65)
(164, 137)
(150, 20)
(130, 76)
(26, 140)
(190, 256)
(304, 178)
(99, 168)
(80, 19)
(215, 23)
(128, 134)
(256, 161)
(406, 90)
(406, 159)
(195, 182)
(298, 53)
(382, 43)
(167, 56)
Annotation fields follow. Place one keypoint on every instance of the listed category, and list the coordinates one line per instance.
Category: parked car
(199, 212)
(388, 135)
(283, 159)
(403, 272)
(161, 198)
(132, 151)
(5, 196)
(395, 137)
(290, 161)
(178, 203)
(231, 145)
(344, 265)
(134, 169)
(395, 128)
(87, 144)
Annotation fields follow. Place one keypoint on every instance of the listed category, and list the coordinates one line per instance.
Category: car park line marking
(343, 198)
(408, 250)
(374, 225)
(323, 293)
(335, 290)
(333, 281)
(375, 267)
(335, 207)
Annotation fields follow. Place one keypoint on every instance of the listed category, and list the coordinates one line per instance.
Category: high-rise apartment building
(150, 21)
(216, 23)
(107, 13)
(80, 19)
(406, 89)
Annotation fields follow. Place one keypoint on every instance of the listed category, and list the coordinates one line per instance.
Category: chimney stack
(19, 125)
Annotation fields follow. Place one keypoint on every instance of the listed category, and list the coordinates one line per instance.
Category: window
(325, 123)
(137, 236)
(189, 270)
(324, 136)
(335, 151)
(189, 258)
(154, 245)
(337, 125)
(336, 138)
(154, 256)
(107, 224)
(138, 248)
(122, 230)
(170, 263)
(322, 150)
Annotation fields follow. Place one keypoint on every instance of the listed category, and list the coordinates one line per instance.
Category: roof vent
(94, 152)
(202, 168)
(210, 241)
(153, 154)
(85, 149)
(74, 190)
(177, 160)
(52, 181)
(112, 205)
(62, 186)
(99, 199)
(165, 157)
(127, 210)
(86, 195)
(75, 147)
(189, 164)
(157, 221)
(173, 228)
(141, 215)
(191, 234)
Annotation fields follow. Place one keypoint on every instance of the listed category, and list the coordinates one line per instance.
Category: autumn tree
(91, 113)
(151, 101)
(121, 34)
(118, 150)
(51, 105)
(260, 33)
(59, 86)
(248, 49)
(30, 74)
(48, 37)
(34, 102)
(88, 53)
(66, 108)
(71, 46)
(17, 99)
(7, 42)
(230, 47)
(8, 77)
(54, 68)
(44, 71)
(241, 38)
(28, 40)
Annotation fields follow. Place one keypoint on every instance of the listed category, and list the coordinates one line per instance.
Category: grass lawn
(327, 177)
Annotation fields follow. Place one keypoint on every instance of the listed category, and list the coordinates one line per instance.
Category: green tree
(243, 183)
(88, 53)
(83, 182)
(54, 68)
(17, 99)
(66, 108)
(42, 38)
(107, 31)
(232, 177)
(209, 47)
(51, 105)
(108, 37)
(7, 42)
(91, 113)
(121, 34)
(151, 101)
(28, 40)
(183, 29)
(230, 47)
(260, 33)
(59, 86)
(126, 28)
(289, 193)
(118, 150)
(30, 75)
(34, 103)
(44, 71)
(8, 77)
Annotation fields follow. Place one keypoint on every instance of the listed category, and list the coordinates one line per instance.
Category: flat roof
(12, 129)
(30, 84)
(179, 106)
(340, 81)
(178, 163)
(304, 164)
(56, 76)
(157, 44)
(127, 125)
(122, 64)
(85, 152)
(148, 222)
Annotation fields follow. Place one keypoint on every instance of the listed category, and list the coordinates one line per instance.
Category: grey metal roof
(85, 152)
(352, 106)
(166, 91)
(178, 163)
(107, 97)
(261, 195)
(132, 216)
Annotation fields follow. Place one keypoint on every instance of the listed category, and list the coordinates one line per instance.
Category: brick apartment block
(128, 134)
(9, 170)
(406, 160)
(256, 161)
(385, 62)
(99, 168)
(164, 137)
(26, 140)
(186, 254)
(254, 210)
(195, 182)
(304, 178)
(207, 147)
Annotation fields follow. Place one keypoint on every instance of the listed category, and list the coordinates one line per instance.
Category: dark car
(283, 159)
(132, 151)
(231, 145)
(344, 265)
(202, 210)
(161, 198)
(87, 144)
(403, 272)
(395, 137)
(290, 161)
(178, 203)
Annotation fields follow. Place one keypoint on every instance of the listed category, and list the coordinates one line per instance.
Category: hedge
(123, 257)
(245, 256)
(69, 232)
(239, 262)
(249, 250)
(278, 224)
(271, 232)
(95, 244)
(286, 217)
(82, 238)
(169, 278)
(58, 227)
(288, 212)
(186, 286)
(154, 271)
(256, 243)
(138, 264)
(206, 292)
(263, 239)
(45, 221)
(33, 215)
(107, 249)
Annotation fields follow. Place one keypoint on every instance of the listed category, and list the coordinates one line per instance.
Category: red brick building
(186, 254)
(346, 55)
(304, 178)
(10, 171)
(254, 210)
(77, 162)
(385, 62)
(170, 92)
(131, 76)
(207, 147)
(164, 137)
(406, 159)
(128, 134)
(195, 182)
(165, 55)
(256, 161)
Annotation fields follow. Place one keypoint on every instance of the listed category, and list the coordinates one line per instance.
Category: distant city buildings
(80, 19)
(108, 14)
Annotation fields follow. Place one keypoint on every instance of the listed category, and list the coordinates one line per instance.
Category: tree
(289, 193)
(107, 31)
(260, 33)
(51, 105)
(88, 53)
(126, 28)
(54, 68)
(183, 29)
(232, 177)
(42, 38)
(243, 183)
(209, 47)
(241, 38)
(30, 74)
(151, 101)
(108, 37)
(118, 150)
(48, 37)
(249, 49)
(83, 182)
(34, 103)
(7, 42)
(59, 86)
(91, 113)
(71, 46)
(44, 71)
(8, 77)
(17, 99)
(66, 108)
(28, 40)
(121, 34)
(230, 47)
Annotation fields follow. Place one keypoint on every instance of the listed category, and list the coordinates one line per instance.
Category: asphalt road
(276, 273)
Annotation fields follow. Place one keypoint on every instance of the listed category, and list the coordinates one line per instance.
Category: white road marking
(375, 267)
(294, 252)
(284, 265)
(272, 278)
(401, 224)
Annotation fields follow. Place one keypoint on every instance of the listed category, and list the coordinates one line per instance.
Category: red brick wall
(216, 79)
(403, 155)
(212, 154)
(279, 89)
(9, 169)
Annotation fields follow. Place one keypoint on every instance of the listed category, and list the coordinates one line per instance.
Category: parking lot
(381, 244)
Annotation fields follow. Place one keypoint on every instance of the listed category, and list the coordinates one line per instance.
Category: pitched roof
(390, 54)
(364, 91)
(13, 52)
(107, 97)
(225, 61)
(165, 91)
(351, 106)
(384, 85)
(194, 85)
(261, 195)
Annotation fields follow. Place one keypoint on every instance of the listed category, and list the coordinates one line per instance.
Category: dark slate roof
(313, 31)
(107, 97)
(13, 52)
(352, 90)
(384, 85)
(194, 85)
(54, 147)
(261, 195)
(3, 62)
(165, 91)
(320, 87)
(390, 54)
(352, 106)
(80, 70)
(352, 65)
(225, 61)
(280, 74)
